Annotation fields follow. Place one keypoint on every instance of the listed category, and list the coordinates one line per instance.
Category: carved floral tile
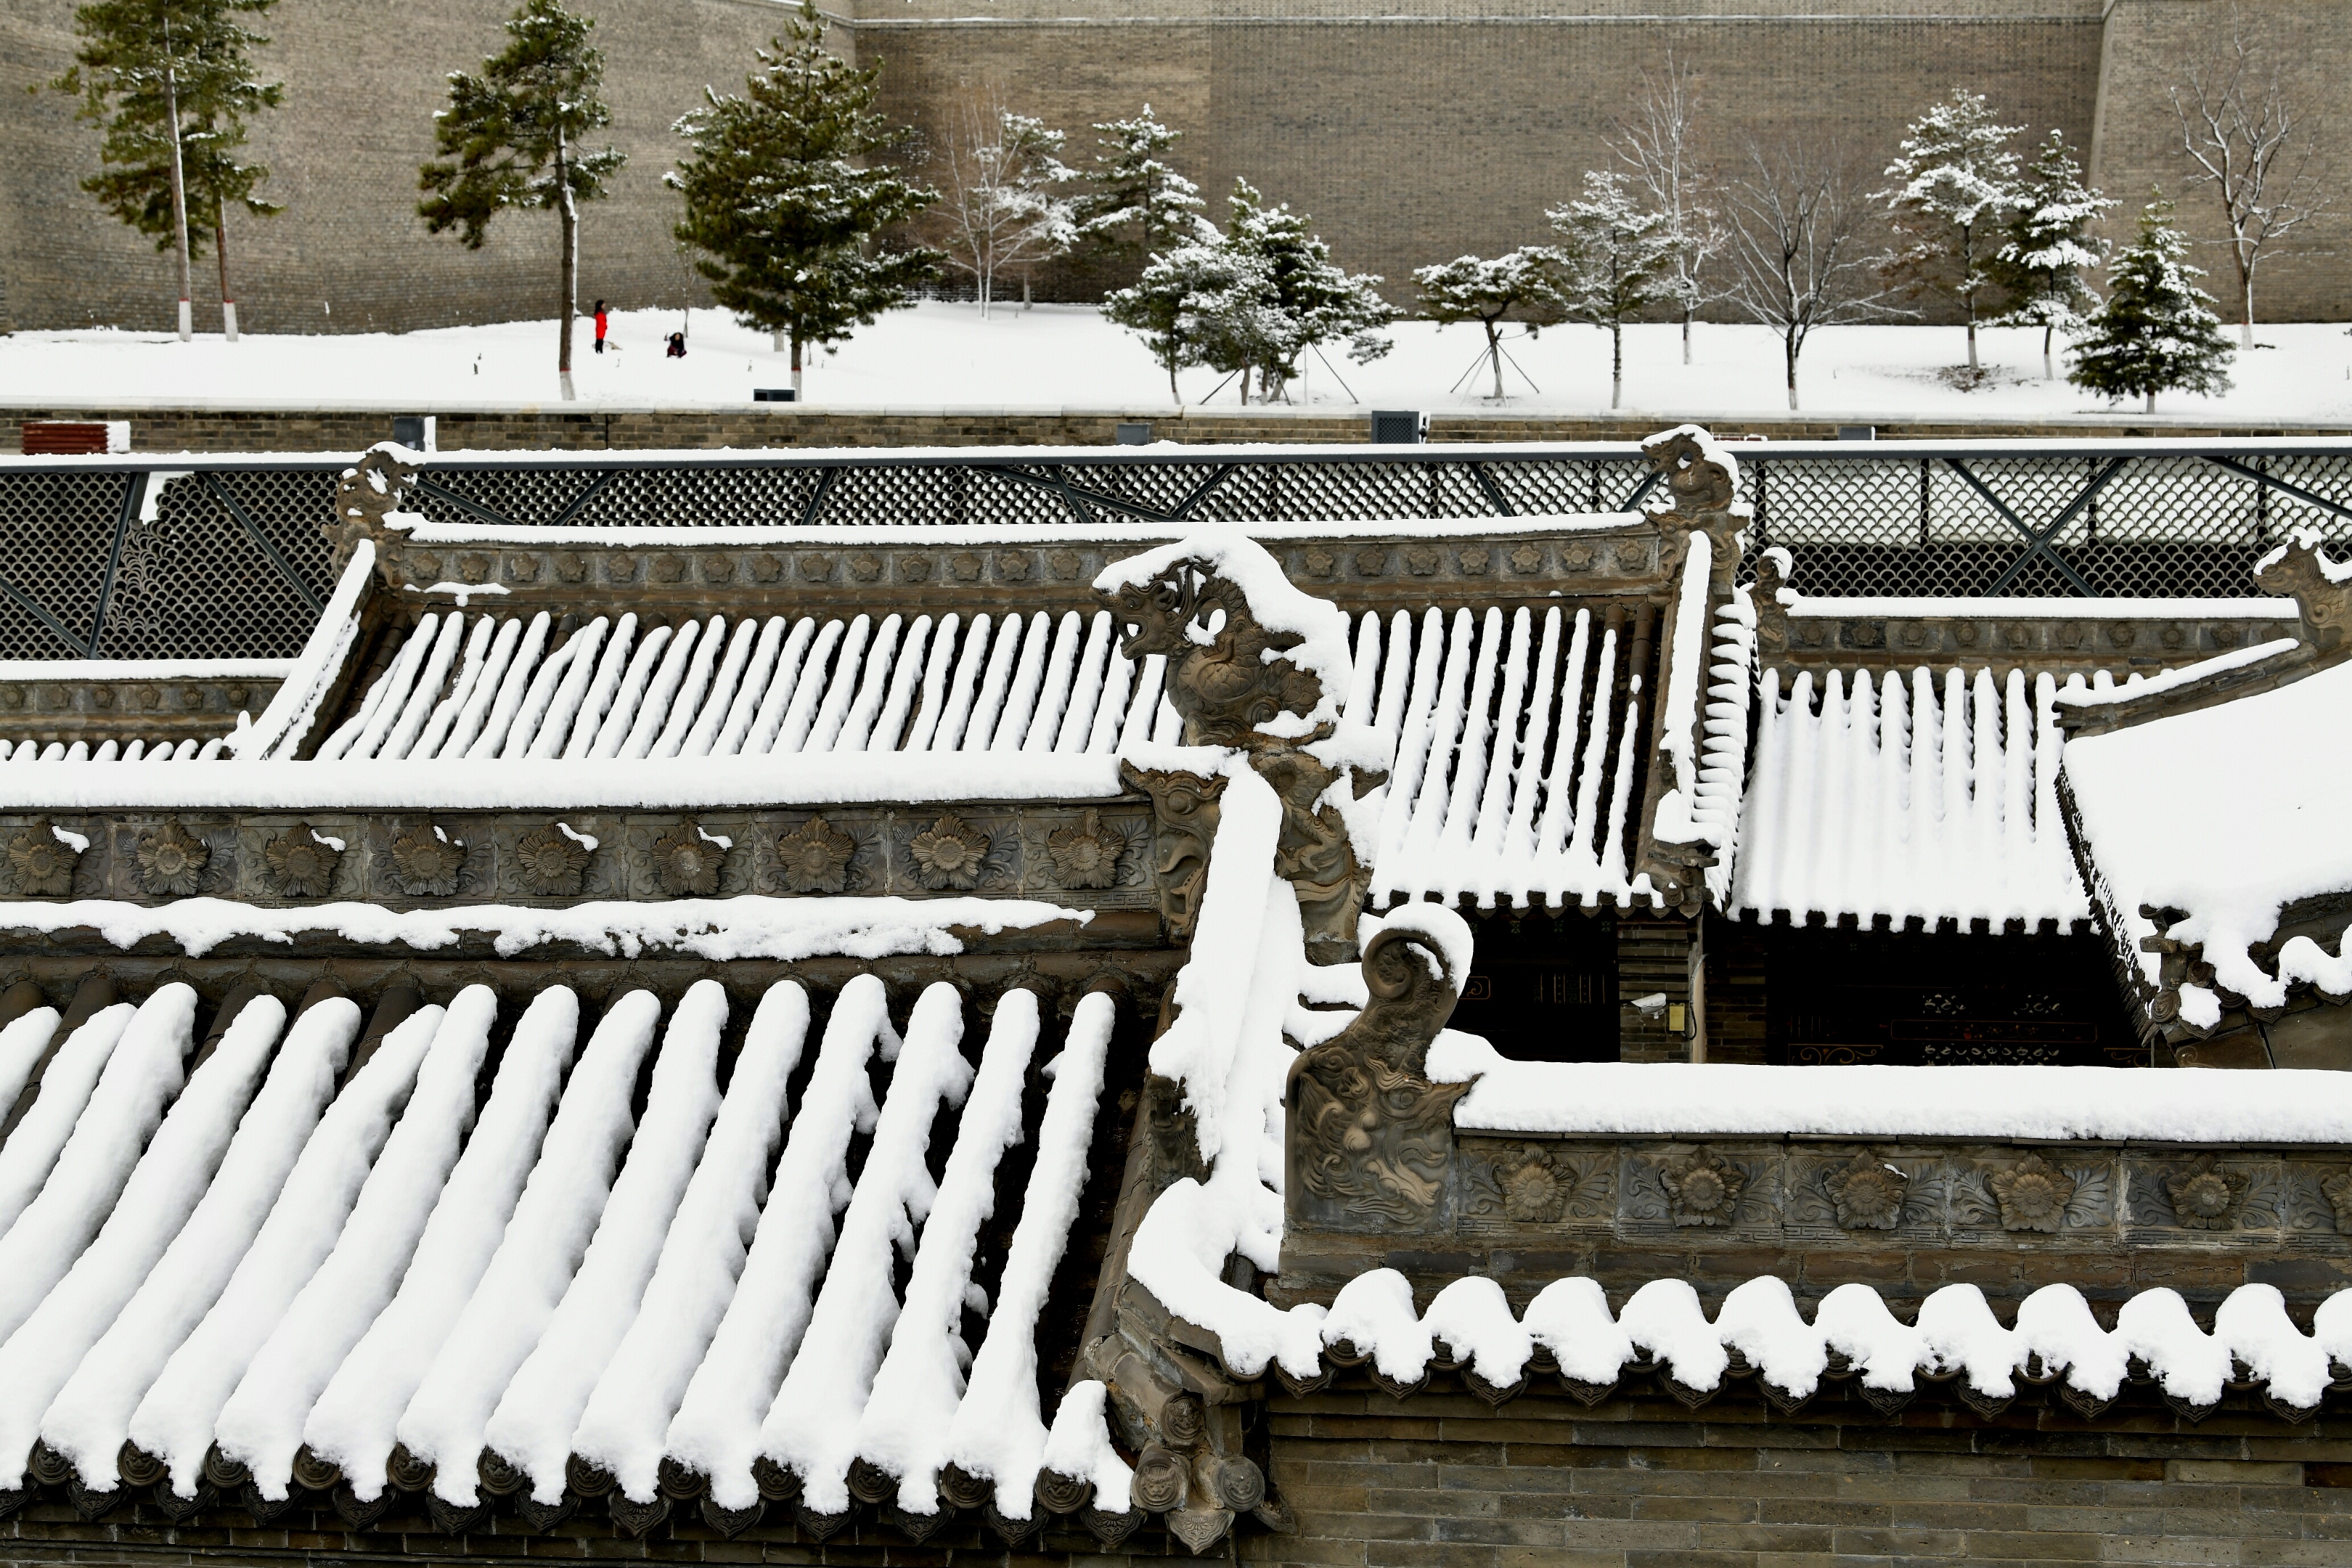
(1538, 1183)
(2024, 1195)
(1710, 1189)
(2202, 1197)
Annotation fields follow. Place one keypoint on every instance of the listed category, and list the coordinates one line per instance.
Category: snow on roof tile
(2230, 814)
(343, 1267)
(1520, 795)
(1931, 797)
(1568, 1329)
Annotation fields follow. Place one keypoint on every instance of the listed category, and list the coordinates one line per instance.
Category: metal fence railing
(223, 557)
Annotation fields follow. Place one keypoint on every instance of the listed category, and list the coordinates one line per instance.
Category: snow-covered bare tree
(2042, 266)
(1139, 205)
(1001, 178)
(2255, 149)
(1799, 256)
(1523, 285)
(1955, 180)
(1618, 261)
(2158, 332)
(1657, 143)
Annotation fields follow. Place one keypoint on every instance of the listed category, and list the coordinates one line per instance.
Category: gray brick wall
(1440, 1480)
(1436, 129)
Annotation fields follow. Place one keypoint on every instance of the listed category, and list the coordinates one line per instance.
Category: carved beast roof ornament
(369, 492)
(1220, 676)
(1257, 665)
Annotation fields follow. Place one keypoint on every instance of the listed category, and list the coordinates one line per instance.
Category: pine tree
(1312, 300)
(1957, 179)
(2041, 268)
(1525, 283)
(174, 84)
(2158, 332)
(785, 197)
(1140, 206)
(1192, 306)
(1620, 261)
(511, 138)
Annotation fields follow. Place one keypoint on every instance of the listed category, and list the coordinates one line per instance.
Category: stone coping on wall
(351, 425)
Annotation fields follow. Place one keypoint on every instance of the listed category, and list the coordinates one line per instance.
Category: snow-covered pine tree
(1525, 283)
(2041, 268)
(1195, 304)
(785, 196)
(1955, 180)
(1313, 299)
(511, 138)
(173, 82)
(1140, 206)
(2158, 332)
(1619, 262)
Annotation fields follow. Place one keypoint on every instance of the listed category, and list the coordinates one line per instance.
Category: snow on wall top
(749, 926)
(1930, 796)
(2229, 812)
(315, 1304)
(2004, 1102)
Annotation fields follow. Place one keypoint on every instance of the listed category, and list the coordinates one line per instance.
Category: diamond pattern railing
(223, 557)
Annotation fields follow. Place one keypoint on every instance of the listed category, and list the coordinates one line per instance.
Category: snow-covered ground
(1066, 356)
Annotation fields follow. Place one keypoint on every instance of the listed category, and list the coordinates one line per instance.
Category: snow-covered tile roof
(1517, 767)
(491, 686)
(1929, 795)
(1568, 1331)
(280, 1260)
(2228, 815)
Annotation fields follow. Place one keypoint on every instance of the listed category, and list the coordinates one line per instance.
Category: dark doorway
(1924, 998)
(1543, 988)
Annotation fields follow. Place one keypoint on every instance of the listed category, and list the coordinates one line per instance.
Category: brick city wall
(1408, 139)
(778, 425)
(1440, 1480)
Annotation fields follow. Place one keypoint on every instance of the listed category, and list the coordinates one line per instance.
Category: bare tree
(1000, 213)
(1657, 143)
(1800, 252)
(2254, 149)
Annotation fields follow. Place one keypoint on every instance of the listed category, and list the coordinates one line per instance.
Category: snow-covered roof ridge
(1683, 846)
(2321, 592)
(2075, 1104)
(1956, 1340)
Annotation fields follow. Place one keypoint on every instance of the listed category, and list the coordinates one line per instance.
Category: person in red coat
(600, 322)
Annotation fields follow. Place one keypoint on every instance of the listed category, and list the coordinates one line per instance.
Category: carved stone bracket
(1370, 1136)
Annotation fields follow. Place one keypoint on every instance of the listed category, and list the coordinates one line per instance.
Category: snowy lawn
(941, 355)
